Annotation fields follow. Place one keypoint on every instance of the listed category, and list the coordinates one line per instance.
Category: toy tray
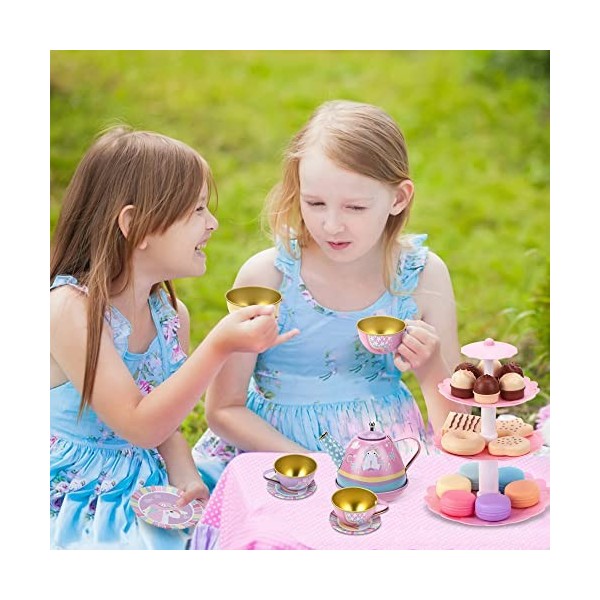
(531, 391)
(535, 439)
(517, 515)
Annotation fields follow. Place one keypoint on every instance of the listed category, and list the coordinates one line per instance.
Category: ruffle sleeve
(411, 264)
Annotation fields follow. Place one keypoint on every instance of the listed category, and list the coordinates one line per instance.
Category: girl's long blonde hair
(358, 137)
(161, 177)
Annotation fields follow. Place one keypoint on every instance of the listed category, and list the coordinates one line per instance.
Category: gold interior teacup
(293, 471)
(356, 506)
(381, 334)
(251, 296)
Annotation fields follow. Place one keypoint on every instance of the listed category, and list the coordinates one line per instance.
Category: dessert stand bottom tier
(517, 515)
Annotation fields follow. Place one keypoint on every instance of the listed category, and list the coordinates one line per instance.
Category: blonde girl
(338, 217)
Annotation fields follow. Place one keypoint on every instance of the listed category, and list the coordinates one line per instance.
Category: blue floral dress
(94, 472)
(324, 379)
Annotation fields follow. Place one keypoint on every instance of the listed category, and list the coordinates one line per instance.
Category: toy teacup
(294, 472)
(356, 506)
(381, 334)
(252, 295)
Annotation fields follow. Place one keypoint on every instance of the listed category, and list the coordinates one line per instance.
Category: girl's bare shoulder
(68, 304)
(260, 269)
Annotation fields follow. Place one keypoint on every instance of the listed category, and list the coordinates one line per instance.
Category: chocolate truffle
(496, 364)
(511, 367)
(461, 383)
(486, 389)
(467, 366)
(512, 386)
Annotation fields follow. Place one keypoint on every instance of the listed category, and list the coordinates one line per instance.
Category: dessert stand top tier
(489, 349)
(531, 391)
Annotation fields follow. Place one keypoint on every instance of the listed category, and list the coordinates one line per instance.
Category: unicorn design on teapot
(371, 461)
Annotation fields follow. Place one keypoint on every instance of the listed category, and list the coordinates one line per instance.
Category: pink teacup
(294, 472)
(356, 506)
(381, 334)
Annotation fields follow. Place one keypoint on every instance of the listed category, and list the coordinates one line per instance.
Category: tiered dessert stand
(490, 350)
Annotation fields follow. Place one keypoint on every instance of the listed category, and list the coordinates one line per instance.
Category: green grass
(476, 124)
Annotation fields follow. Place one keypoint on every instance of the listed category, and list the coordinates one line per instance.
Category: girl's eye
(314, 203)
(199, 209)
(357, 207)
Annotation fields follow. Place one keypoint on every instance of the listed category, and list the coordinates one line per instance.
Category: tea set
(370, 468)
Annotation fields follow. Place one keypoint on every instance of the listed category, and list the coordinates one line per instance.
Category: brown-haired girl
(338, 218)
(135, 216)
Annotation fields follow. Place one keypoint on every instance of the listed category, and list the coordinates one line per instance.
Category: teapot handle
(415, 454)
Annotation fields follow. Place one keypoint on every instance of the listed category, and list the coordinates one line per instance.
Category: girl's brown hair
(161, 177)
(358, 137)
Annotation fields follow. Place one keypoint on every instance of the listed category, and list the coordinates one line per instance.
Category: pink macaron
(457, 503)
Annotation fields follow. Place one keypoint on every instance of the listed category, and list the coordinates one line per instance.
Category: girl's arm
(147, 421)
(175, 451)
(430, 348)
(181, 470)
(225, 405)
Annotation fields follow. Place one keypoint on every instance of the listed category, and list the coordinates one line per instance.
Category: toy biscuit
(510, 445)
(514, 426)
(461, 421)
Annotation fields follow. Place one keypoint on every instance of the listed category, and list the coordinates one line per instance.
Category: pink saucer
(275, 489)
(386, 496)
(373, 525)
(535, 439)
(531, 391)
(517, 515)
(489, 349)
(157, 505)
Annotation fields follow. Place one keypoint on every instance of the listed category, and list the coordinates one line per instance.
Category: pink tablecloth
(244, 515)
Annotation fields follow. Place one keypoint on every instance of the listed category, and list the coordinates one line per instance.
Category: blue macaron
(471, 471)
(508, 474)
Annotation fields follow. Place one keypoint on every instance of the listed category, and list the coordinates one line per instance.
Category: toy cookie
(461, 421)
(510, 445)
(514, 426)
(463, 443)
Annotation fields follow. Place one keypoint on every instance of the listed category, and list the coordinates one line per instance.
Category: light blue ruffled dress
(94, 472)
(324, 379)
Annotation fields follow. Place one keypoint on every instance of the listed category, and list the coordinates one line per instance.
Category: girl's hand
(250, 329)
(195, 488)
(419, 344)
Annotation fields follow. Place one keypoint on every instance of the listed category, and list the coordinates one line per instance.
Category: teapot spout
(333, 448)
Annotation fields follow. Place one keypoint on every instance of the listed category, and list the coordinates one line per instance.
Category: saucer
(373, 525)
(275, 489)
(157, 506)
(386, 496)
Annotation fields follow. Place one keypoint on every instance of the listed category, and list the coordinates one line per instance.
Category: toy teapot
(371, 461)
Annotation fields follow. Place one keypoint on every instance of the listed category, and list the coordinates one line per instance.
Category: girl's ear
(124, 222)
(404, 194)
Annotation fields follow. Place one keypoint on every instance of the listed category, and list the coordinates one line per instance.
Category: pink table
(248, 517)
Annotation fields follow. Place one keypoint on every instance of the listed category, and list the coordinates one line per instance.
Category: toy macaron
(452, 482)
(507, 475)
(492, 506)
(471, 471)
(457, 503)
(523, 493)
